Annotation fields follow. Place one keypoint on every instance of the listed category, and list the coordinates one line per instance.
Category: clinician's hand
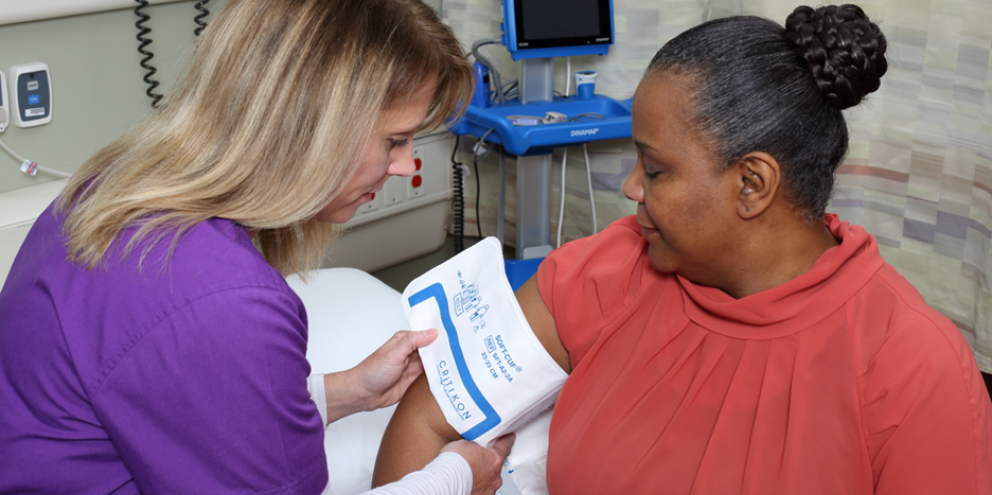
(485, 463)
(380, 380)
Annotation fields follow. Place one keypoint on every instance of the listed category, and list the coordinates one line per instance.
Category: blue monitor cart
(533, 32)
(542, 139)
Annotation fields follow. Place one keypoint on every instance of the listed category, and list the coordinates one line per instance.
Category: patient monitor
(535, 32)
(557, 28)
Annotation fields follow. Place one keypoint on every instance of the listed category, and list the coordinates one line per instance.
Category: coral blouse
(840, 381)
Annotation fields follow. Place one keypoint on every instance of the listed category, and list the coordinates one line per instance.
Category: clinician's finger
(424, 338)
(504, 444)
(411, 341)
(413, 369)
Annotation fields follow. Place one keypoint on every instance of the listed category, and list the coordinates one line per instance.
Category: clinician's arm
(418, 431)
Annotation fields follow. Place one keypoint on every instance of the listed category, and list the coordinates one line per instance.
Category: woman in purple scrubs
(148, 339)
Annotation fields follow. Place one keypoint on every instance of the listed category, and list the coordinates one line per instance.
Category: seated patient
(732, 337)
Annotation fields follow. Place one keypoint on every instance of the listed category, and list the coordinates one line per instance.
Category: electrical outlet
(415, 187)
(393, 191)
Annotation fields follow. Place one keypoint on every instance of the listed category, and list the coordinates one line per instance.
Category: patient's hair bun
(844, 49)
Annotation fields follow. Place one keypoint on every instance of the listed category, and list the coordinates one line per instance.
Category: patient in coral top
(732, 337)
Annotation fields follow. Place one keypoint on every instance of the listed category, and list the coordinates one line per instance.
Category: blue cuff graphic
(491, 419)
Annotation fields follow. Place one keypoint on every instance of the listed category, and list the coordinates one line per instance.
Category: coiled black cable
(142, 31)
(478, 195)
(458, 201)
(199, 18)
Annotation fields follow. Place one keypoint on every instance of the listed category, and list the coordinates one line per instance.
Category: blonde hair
(267, 126)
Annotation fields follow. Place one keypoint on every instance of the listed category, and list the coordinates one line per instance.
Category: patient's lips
(647, 228)
(644, 220)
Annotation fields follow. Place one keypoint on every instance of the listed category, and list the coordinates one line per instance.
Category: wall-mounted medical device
(4, 103)
(31, 94)
(557, 28)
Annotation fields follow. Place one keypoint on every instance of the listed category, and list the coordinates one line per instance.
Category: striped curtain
(919, 173)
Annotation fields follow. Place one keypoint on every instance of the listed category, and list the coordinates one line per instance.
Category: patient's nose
(633, 188)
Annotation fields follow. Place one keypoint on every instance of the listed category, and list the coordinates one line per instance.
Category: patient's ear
(760, 178)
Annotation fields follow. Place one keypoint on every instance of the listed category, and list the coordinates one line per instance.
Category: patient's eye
(651, 170)
(652, 166)
(398, 143)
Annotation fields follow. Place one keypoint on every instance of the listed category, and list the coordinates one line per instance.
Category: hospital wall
(98, 91)
(97, 87)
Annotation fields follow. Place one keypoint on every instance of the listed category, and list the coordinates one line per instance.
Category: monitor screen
(558, 23)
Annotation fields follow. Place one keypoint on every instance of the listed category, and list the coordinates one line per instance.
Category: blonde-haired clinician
(148, 339)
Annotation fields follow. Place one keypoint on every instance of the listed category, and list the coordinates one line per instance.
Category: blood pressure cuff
(486, 370)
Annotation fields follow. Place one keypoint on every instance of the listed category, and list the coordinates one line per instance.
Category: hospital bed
(350, 313)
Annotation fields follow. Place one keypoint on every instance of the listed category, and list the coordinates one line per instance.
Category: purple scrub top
(185, 375)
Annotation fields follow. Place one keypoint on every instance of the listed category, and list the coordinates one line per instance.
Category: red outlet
(417, 180)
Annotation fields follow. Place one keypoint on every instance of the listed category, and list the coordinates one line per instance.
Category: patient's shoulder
(622, 235)
(588, 282)
(618, 245)
(608, 267)
(890, 317)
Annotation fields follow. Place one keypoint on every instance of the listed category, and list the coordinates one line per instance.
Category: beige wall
(98, 91)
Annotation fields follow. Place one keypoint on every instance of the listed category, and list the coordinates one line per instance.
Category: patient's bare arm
(415, 435)
(418, 431)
